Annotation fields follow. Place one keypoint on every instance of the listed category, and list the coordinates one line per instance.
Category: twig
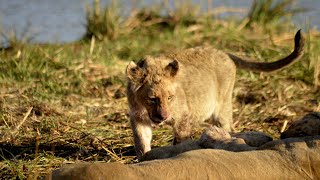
(92, 45)
(116, 157)
(4, 120)
(36, 150)
(23, 120)
(113, 155)
(73, 127)
(284, 126)
(222, 9)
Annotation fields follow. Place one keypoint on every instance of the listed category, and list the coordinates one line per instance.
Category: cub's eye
(170, 98)
(153, 100)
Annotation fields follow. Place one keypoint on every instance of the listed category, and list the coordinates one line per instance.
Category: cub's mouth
(159, 121)
(156, 120)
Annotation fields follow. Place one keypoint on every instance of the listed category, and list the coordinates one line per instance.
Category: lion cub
(187, 87)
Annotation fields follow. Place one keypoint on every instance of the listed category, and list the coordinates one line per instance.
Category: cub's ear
(172, 68)
(135, 73)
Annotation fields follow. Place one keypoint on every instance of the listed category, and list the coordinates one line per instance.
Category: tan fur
(213, 138)
(217, 138)
(185, 88)
(293, 160)
(216, 155)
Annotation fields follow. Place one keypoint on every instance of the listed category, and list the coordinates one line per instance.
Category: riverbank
(63, 21)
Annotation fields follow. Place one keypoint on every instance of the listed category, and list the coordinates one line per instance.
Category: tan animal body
(187, 87)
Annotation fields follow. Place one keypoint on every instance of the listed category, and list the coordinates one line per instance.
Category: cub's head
(153, 82)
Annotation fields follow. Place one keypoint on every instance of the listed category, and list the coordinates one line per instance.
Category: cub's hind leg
(224, 113)
(225, 117)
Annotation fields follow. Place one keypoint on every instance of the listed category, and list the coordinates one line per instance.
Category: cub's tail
(272, 66)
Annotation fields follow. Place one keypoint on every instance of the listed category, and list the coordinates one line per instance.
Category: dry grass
(92, 125)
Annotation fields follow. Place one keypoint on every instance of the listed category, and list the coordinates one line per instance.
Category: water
(60, 21)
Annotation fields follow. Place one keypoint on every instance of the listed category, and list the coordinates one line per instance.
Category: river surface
(59, 21)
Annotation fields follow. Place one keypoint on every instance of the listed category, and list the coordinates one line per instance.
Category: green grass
(266, 12)
(105, 24)
(77, 90)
